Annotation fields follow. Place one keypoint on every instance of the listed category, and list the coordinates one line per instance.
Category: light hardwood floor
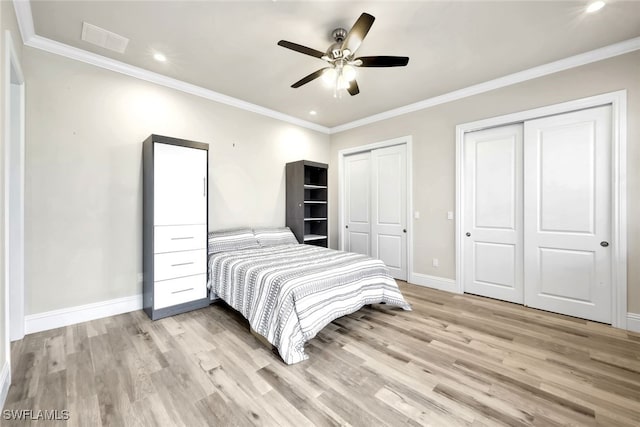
(453, 360)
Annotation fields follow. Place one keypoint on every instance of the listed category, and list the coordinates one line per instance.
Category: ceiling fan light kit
(340, 56)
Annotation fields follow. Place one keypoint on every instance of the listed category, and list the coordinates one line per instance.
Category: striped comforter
(289, 293)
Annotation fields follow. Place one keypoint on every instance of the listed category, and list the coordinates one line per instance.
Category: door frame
(403, 140)
(14, 290)
(618, 102)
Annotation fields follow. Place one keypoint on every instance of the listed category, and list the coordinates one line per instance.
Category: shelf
(309, 237)
(308, 202)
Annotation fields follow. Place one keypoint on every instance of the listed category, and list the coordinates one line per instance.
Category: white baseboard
(633, 322)
(5, 382)
(82, 313)
(434, 282)
(450, 285)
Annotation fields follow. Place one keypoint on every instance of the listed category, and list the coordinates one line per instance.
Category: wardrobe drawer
(178, 291)
(172, 265)
(171, 238)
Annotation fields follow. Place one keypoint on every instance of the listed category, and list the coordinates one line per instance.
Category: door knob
(404, 230)
(604, 244)
(346, 226)
(468, 234)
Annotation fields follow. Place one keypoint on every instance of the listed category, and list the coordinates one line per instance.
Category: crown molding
(65, 50)
(30, 38)
(508, 80)
(24, 18)
(25, 23)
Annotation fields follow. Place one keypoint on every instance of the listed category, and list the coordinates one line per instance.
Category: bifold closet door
(567, 213)
(493, 213)
(357, 233)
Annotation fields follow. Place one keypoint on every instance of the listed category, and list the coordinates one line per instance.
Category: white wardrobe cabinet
(175, 177)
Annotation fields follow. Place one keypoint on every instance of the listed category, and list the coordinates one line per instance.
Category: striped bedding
(290, 292)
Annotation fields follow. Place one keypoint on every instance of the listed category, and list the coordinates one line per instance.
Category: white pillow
(275, 236)
(232, 240)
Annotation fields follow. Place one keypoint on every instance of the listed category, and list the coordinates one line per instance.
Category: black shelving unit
(308, 202)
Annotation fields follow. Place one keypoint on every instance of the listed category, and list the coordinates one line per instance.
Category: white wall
(85, 128)
(433, 132)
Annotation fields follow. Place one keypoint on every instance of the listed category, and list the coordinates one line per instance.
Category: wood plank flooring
(454, 360)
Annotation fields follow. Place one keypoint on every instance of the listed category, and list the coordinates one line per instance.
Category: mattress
(289, 293)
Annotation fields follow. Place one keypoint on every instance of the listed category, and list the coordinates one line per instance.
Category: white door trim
(406, 140)
(14, 290)
(618, 102)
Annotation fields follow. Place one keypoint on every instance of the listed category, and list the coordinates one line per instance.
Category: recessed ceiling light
(159, 57)
(313, 112)
(595, 6)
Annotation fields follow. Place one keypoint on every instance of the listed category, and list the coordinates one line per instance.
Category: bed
(288, 291)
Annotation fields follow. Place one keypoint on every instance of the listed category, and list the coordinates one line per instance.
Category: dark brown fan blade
(353, 88)
(301, 49)
(383, 61)
(358, 32)
(307, 79)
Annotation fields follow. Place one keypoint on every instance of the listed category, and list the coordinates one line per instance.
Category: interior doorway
(14, 93)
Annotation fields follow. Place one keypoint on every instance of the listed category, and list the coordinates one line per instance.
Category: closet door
(357, 222)
(389, 208)
(493, 213)
(180, 185)
(567, 207)
(375, 213)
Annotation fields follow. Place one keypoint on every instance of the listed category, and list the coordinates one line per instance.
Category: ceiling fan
(341, 57)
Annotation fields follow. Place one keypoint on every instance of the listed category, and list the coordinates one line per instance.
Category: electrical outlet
(140, 277)
(436, 262)
(416, 215)
(449, 215)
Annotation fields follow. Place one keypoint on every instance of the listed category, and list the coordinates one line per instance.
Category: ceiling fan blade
(310, 77)
(301, 49)
(382, 61)
(353, 88)
(358, 32)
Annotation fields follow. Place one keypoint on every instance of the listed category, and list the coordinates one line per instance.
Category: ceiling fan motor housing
(339, 34)
(335, 50)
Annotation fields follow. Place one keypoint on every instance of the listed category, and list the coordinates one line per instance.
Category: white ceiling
(230, 46)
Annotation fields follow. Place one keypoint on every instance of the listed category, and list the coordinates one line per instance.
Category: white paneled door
(357, 233)
(375, 206)
(389, 208)
(567, 205)
(537, 213)
(493, 213)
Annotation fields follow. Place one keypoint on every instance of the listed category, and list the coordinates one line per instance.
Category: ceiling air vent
(103, 38)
